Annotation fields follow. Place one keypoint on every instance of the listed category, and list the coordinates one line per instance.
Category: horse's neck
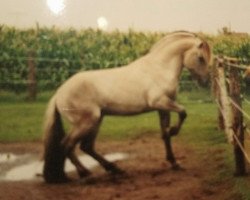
(166, 66)
(170, 58)
(173, 49)
(171, 72)
(169, 68)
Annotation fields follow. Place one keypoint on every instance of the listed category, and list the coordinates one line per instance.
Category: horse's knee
(169, 132)
(174, 130)
(183, 115)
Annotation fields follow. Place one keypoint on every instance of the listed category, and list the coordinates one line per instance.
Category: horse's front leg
(174, 130)
(170, 105)
(164, 123)
(166, 104)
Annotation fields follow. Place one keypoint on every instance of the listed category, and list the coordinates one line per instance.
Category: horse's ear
(205, 47)
(201, 45)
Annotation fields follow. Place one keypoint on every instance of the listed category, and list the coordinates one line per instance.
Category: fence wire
(232, 133)
(240, 109)
(236, 139)
(41, 59)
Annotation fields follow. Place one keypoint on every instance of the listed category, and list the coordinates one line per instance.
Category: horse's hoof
(117, 171)
(240, 174)
(177, 167)
(83, 174)
(59, 180)
(119, 174)
(114, 170)
(174, 131)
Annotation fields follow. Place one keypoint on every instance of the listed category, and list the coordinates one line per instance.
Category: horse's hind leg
(166, 136)
(70, 141)
(87, 145)
(81, 170)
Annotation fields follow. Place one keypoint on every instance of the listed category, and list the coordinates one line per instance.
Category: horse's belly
(116, 108)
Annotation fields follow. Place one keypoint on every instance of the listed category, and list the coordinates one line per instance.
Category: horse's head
(196, 60)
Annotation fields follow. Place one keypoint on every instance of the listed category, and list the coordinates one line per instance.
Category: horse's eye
(201, 59)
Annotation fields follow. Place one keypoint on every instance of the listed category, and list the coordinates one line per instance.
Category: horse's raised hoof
(174, 130)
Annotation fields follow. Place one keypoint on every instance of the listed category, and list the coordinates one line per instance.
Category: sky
(142, 15)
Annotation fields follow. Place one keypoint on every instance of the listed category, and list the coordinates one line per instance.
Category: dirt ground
(149, 176)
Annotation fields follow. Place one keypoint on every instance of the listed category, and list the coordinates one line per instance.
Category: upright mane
(171, 37)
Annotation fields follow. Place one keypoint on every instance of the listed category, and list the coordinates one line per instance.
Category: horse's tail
(54, 155)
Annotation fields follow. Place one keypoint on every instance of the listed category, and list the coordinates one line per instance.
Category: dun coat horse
(149, 83)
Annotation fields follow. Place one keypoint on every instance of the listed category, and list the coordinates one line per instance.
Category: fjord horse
(149, 83)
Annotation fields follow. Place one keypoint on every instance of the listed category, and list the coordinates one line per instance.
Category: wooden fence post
(225, 107)
(216, 90)
(32, 84)
(228, 94)
(237, 125)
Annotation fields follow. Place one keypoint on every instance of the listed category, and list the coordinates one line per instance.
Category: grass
(22, 121)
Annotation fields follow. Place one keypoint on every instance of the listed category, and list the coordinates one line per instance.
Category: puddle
(33, 169)
(7, 158)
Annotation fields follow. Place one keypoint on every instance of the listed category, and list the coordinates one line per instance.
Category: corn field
(58, 54)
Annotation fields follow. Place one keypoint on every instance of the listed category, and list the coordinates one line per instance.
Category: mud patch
(31, 169)
(148, 175)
